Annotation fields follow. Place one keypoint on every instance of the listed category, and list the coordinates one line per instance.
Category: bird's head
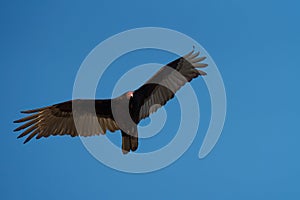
(129, 94)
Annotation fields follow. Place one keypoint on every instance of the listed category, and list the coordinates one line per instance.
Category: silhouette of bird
(87, 117)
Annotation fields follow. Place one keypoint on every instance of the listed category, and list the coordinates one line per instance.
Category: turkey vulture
(121, 113)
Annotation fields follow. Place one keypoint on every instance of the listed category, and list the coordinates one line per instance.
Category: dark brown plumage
(94, 117)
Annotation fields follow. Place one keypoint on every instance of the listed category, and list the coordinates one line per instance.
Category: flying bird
(88, 117)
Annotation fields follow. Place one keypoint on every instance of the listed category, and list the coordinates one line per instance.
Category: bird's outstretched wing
(166, 82)
(58, 120)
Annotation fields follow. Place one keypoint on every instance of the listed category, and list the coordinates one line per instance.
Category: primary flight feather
(85, 117)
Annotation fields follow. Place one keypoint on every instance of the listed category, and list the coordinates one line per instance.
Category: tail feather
(125, 143)
(133, 143)
(129, 143)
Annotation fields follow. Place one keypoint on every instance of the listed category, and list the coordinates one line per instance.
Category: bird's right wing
(58, 119)
(166, 82)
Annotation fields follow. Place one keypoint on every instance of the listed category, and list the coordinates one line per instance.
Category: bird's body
(84, 117)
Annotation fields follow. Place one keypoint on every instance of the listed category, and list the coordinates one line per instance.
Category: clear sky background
(256, 47)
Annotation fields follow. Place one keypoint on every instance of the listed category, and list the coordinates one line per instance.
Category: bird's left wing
(58, 119)
(166, 82)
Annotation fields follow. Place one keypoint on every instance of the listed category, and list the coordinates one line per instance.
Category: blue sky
(255, 45)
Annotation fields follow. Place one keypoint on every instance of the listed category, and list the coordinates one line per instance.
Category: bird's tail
(129, 142)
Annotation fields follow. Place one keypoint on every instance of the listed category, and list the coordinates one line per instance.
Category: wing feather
(161, 87)
(58, 120)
